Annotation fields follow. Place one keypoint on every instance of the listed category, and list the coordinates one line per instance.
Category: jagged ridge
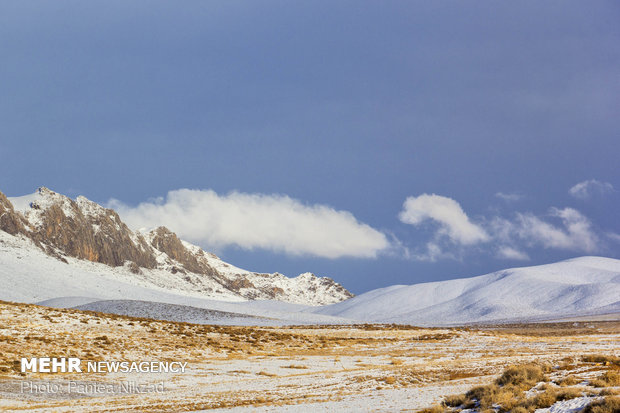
(83, 229)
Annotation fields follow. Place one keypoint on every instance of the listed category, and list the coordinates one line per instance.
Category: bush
(455, 401)
(434, 409)
(601, 358)
(569, 381)
(607, 405)
(607, 379)
(520, 376)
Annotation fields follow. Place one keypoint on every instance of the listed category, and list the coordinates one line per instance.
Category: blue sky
(311, 124)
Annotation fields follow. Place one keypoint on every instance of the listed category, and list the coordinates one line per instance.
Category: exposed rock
(80, 233)
(166, 241)
(10, 221)
(239, 283)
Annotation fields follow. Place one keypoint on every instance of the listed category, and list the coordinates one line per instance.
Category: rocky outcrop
(85, 230)
(167, 242)
(61, 223)
(10, 221)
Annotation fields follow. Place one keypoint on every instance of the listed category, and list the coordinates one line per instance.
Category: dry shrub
(569, 381)
(567, 394)
(389, 380)
(601, 358)
(455, 400)
(607, 379)
(434, 409)
(520, 376)
(541, 400)
(609, 392)
(607, 405)
(295, 366)
(506, 394)
(396, 362)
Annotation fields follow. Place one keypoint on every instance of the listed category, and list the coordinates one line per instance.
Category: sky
(376, 143)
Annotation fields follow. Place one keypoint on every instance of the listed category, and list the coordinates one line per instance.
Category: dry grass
(507, 393)
(601, 359)
(570, 380)
(362, 357)
(607, 379)
(607, 405)
(434, 409)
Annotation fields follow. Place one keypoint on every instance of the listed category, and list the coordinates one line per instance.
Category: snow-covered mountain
(580, 286)
(76, 253)
(92, 241)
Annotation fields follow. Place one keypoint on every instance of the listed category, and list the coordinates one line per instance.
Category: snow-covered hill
(580, 286)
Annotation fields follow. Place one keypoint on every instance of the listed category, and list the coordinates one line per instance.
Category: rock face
(85, 230)
(10, 221)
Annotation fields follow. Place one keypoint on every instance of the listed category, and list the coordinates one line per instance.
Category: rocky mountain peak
(85, 230)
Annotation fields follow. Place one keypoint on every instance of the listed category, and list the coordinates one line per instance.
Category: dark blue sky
(355, 105)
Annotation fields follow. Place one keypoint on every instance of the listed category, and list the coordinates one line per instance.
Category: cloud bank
(586, 189)
(575, 232)
(271, 222)
(562, 229)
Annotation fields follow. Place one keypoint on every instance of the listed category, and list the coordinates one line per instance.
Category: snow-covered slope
(580, 286)
(28, 274)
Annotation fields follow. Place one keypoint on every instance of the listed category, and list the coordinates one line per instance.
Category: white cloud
(452, 220)
(272, 222)
(509, 238)
(576, 232)
(512, 254)
(587, 189)
(509, 197)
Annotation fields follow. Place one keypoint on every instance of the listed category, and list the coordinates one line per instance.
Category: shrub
(434, 409)
(520, 376)
(607, 405)
(543, 400)
(569, 381)
(607, 379)
(455, 401)
(389, 380)
(601, 358)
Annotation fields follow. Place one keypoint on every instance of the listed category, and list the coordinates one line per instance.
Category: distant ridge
(575, 287)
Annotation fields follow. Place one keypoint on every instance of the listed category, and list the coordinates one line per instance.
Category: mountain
(80, 232)
(75, 253)
(580, 286)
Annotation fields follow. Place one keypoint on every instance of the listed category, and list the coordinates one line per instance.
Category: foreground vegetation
(329, 368)
(525, 388)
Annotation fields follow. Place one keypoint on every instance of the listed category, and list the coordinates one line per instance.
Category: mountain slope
(586, 285)
(82, 230)
(28, 274)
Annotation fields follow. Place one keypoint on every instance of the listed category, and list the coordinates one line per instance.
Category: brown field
(300, 368)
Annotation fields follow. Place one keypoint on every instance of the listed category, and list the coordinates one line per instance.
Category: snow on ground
(581, 286)
(305, 369)
(568, 406)
(174, 312)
